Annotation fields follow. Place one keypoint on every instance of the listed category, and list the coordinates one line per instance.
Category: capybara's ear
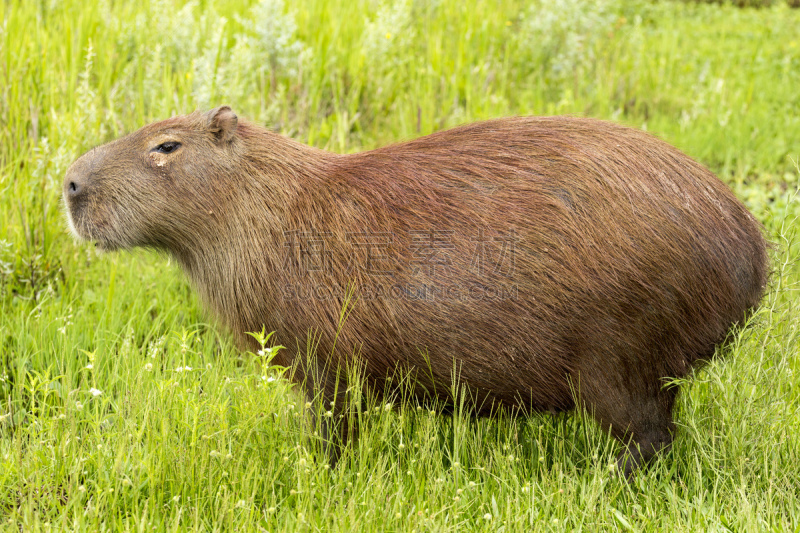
(222, 123)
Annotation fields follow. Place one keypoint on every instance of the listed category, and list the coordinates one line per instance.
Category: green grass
(222, 446)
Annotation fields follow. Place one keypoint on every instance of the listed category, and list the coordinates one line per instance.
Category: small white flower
(179, 369)
(266, 352)
(187, 368)
(89, 366)
(487, 516)
(148, 367)
(208, 366)
(79, 406)
(95, 392)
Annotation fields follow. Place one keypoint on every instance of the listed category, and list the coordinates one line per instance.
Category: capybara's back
(548, 262)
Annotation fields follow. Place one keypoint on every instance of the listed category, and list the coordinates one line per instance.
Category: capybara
(543, 262)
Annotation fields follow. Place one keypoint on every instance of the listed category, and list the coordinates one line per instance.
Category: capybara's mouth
(102, 241)
(106, 245)
(85, 231)
(75, 226)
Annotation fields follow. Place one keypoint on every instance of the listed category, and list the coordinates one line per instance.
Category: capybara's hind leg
(642, 444)
(640, 419)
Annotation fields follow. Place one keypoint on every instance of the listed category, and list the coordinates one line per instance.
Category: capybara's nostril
(75, 187)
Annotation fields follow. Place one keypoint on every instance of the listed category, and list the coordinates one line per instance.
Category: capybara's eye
(167, 147)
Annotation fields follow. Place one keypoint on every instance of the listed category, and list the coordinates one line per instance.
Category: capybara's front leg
(327, 391)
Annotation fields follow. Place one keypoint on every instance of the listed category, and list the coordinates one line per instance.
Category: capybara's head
(151, 187)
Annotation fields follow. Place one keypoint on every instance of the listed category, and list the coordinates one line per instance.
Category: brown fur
(608, 259)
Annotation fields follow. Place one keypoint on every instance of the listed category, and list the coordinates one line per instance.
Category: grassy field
(122, 408)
